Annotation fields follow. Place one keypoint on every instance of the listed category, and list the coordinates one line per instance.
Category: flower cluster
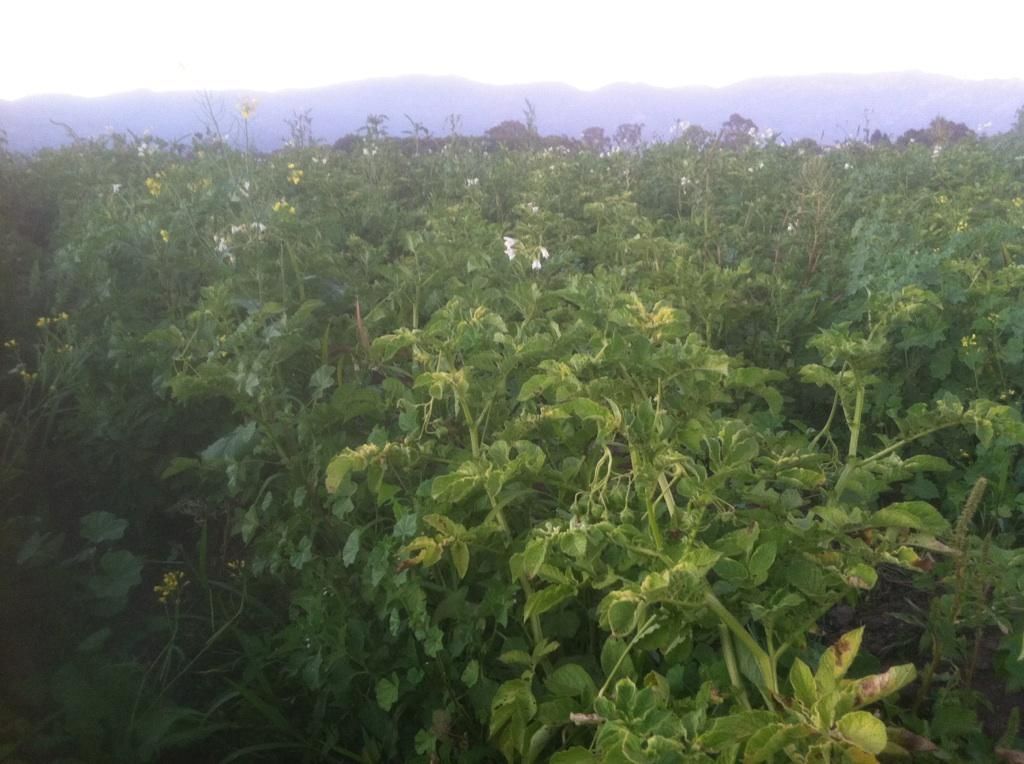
(961, 226)
(294, 174)
(246, 108)
(470, 182)
(43, 321)
(510, 252)
(165, 235)
(282, 205)
(510, 247)
(969, 342)
(170, 586)
(1018, 202)
(154, 185)
(11, 344)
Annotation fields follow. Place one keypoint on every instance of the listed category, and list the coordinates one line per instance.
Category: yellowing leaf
(864, 731)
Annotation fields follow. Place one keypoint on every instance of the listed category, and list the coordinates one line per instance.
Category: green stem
(858, 413)
(474, 436)
(763, 660)
(730, 664)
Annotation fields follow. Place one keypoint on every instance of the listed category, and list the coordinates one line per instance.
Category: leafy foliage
(302, 463)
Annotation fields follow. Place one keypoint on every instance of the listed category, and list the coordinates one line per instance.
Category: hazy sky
(94, 48)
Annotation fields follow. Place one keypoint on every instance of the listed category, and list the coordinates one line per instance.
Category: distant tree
(511, 134)
(629, 136)
(595, 140)
(807, 146)
(940, 132)
(1018, 125)
(878, 138)
(695, 136)
(738, 131)
(347, 142)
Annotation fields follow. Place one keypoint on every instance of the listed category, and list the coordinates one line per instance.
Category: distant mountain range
(824, 107)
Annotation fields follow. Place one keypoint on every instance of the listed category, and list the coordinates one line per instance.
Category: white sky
(106, 46)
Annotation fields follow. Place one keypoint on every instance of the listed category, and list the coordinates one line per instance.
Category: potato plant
(459, 452)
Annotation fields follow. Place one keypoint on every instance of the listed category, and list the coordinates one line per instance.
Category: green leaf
(102, 526)
(347, 461)
(762, 559)
(445, 525)
(614, 652)
(916, 515)
(387, 692)
(864, 731)
(512, 709)
(232, 446)
(533, 556)
(178, 465)
(351, 548)
(543, 600)
(802, 681)
(460, 557)
(574, 755)
(455, 486)
(735, 728)
(535, 385)
(624, 612)
(571, 680)
(119, 573)
(861, 576)
(770, 740)
(731, 570)
(471, 674)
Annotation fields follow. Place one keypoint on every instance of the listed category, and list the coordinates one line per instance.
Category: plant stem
(730, 664)
(858, 413)
(763, 660)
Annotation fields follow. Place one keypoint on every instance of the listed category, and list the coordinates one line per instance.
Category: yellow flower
(294, 175)
(961, 226)
(1018, 202)
(154, 186)
(11, 344)
(42, 321)
(282, 205)
(943, 199)
(969, 342)
(165, 235)
(247, 107)
(170, 585)
(27, 376)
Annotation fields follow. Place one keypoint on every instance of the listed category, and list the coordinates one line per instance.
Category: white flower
(510, 247)
(535, 264)
(533, 208)
(544, 253)
(116, 187)
(847, 166)
(790, 228)
(684, 181)
(470, 182)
